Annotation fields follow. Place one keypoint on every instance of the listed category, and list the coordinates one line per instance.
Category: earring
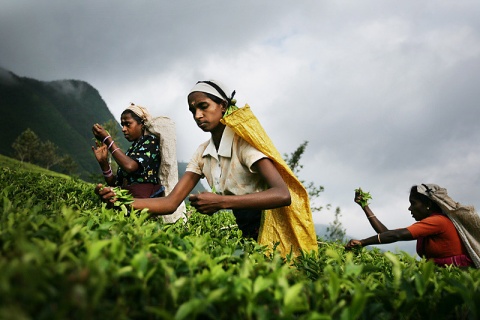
(428, 208)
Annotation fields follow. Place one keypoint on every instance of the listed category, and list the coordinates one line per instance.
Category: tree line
(29, 148)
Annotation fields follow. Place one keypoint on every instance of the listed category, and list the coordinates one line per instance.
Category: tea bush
(64, 255)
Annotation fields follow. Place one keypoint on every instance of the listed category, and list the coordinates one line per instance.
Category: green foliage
(26, 146)
(29, 148)
(48, 154)
(336, 231)
(68, 165)
(51, 191)
(231, 108)
(7, 162)
(293, 161)
(363, 197)
(64, 255)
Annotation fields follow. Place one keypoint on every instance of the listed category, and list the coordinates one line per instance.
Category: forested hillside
(59, 111)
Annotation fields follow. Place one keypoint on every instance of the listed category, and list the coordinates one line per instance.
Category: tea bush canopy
(63, 255)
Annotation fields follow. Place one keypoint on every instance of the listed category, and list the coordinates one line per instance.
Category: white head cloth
(207, 88)
(143, 113)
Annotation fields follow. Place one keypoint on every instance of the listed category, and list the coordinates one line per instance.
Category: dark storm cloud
(83, 38)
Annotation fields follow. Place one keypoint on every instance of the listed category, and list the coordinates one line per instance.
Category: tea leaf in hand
(123, 196)
(364, 197)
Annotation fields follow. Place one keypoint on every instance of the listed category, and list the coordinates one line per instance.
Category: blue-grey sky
(385, 92)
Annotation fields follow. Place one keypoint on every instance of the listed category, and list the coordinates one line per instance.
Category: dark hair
(424, 200)
(134, 115)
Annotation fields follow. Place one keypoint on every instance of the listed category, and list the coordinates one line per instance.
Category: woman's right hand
(352, 244)
(362, 198)
(358, 198)
(106, 194)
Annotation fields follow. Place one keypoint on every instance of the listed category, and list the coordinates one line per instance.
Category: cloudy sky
(385, 92)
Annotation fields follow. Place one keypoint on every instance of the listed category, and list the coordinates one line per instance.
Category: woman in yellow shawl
(243, 178)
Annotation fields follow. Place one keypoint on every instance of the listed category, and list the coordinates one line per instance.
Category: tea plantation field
(63, 255)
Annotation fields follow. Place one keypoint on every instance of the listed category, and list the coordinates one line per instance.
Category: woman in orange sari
(436, 235)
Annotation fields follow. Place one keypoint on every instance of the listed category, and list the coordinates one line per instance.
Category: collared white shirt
(228, 170)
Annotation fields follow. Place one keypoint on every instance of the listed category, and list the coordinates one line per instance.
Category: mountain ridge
(60, 111)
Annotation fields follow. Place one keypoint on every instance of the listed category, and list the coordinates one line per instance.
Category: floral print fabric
(146, 152)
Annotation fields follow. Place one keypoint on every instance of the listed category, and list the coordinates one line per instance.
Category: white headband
(207, 88)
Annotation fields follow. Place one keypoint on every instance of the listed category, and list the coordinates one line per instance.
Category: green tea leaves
(230, 110)
(362, 197)
(74, 256)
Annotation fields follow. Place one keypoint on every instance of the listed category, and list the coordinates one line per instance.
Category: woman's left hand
(101, 153)
(206, 202)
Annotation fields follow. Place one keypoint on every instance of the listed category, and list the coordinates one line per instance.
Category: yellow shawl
(291, 228)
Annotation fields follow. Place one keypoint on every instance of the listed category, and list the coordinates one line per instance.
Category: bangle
(378, 237)
(111, 143)
(107, 175)
(369, 217)
(105, 139)
(115, 150)
(109, 169)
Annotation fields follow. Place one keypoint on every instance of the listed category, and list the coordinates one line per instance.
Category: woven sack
(164, 128)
